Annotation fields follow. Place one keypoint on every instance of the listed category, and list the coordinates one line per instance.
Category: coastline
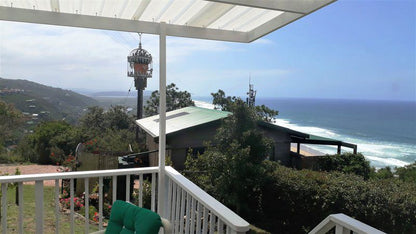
(305, 151)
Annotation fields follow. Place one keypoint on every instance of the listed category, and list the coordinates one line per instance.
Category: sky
(348, 50)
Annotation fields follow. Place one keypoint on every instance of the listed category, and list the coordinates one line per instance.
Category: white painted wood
(198, 216)
(114, 181)
(57, 205)
(225, 214)
(71, 197)
(141, 190)
(174, 202)
(169, 200)
(162, 118)
(211, 223)
(20, 198)
(76, 174)
(128, 188)
(4, 207)
(346, 222)
(116, 24)
(187, 213)
(193, 215)
(87, 204)
(100, 202)
(39, 206)
(153, 199)
(205, 220)
(182, 212)
(178, 207)
(220, 227)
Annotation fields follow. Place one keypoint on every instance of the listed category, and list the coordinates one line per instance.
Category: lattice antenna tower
(251, 99)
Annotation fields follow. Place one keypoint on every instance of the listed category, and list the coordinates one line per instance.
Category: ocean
(384, 131)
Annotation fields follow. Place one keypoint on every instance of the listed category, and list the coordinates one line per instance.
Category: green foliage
(296, 201)
(226, 103)
(233, 164)
(382, 173)
(407, 173)
(347, 163)
(47, 137)
(175, 99)
(10, 121)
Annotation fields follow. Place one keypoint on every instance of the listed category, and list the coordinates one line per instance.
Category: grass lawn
(29, 223)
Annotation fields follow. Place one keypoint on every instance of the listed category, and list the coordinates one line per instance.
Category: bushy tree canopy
(175, 99)
(10, 120)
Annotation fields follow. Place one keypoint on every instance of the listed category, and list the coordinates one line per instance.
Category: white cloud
(83, 58)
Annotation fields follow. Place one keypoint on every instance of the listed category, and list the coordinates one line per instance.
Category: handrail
(76, 174)
(344, 221)
(228, 216)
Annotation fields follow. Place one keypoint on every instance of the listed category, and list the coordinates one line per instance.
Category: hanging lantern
(140, 66)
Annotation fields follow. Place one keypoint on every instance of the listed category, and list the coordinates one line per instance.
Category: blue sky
(349, 49)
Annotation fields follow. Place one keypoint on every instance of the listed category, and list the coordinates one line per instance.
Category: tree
(226, 103)
(233, 168)
(10, 121)
(175, 99)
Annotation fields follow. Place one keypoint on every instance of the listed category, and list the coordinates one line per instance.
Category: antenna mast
(251, 99)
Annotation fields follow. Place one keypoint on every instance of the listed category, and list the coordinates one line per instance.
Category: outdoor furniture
(127, 218)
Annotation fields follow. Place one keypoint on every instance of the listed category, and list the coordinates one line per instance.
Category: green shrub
(346, 163)
(407, 173)
(296, 201)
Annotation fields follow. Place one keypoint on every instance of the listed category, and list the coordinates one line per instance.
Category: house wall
(281, 145)
(178, 144)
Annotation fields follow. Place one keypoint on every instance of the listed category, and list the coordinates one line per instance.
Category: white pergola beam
(293, 6)
(96, 22)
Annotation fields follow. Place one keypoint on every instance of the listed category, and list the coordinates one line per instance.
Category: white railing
(343, 224)
(189, 208)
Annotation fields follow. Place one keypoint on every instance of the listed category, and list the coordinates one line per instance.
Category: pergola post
(162, 120)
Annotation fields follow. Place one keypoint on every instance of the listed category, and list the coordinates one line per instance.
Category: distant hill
(133, 93)
(44, 102)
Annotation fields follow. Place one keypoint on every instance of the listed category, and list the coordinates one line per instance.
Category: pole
(162, 119)
(139, 109)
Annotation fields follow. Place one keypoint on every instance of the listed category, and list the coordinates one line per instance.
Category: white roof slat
(227, 20)
(257, 19)
(193, 9)
(209, 14)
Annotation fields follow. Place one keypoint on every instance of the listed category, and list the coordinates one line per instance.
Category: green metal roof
(181, 119)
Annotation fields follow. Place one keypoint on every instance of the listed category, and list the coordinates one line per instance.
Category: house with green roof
(188, 128)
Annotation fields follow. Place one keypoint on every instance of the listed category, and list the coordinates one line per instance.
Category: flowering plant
(91, 145)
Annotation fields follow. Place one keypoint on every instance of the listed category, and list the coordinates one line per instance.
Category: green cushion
(126, 218)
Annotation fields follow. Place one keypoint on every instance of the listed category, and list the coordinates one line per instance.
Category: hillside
(42, 102)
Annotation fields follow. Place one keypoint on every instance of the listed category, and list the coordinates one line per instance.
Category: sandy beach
(304, 150)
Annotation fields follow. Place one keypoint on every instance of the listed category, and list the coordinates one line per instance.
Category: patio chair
(127, 218)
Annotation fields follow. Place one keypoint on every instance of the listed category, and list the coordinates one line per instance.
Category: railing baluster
(178, 207)
(87, 204)
(114, 188)
(152, 202)
(169, 203)
(198, 217)
(182, 214)
(100, 202)
(205, 221)
(4, 207)
(20, 198)
(39, 206)
(193, 211)
(71, 191)
(228, 230)
(56, 206)
(220, 227)
(141, 190)
(188, 212)
(173, 207)
(127, 188)
(211, 223)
